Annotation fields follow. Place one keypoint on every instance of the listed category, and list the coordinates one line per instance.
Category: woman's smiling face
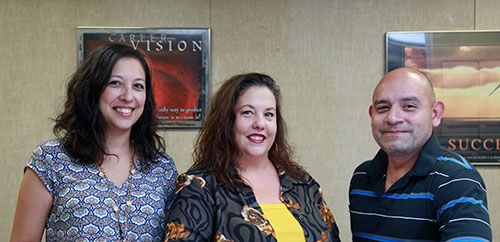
(122, 101)
(255, 122)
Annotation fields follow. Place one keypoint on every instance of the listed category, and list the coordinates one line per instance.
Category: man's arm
(462, 209)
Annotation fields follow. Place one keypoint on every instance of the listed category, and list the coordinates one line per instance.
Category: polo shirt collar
(427, 158)
(423, 166)
(378, 164)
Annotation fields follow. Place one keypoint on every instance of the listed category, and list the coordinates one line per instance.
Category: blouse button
(101, 174)
(132, 171)
(115, 208)
(129, 203)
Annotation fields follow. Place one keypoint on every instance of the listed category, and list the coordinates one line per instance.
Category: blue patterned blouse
(88, 207)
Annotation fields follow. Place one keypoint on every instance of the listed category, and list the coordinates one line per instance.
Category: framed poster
(464, 68)
(179, 61)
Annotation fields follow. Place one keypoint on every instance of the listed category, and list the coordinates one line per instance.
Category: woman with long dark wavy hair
(106, 176)
(244, 185)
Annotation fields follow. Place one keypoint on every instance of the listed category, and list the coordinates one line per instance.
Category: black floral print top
(204, 210)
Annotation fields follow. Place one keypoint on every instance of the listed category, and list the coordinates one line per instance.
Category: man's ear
(437, 113)
(370, 110)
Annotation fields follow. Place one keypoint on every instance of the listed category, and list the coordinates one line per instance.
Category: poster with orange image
(464, 68)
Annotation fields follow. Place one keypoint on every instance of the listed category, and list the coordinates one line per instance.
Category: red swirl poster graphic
(179, 64)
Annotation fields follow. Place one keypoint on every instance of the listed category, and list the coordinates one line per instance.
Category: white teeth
(256, 138)
(124, 110)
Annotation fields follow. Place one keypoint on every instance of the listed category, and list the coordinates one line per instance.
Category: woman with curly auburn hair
(106, 177)
(244, 185)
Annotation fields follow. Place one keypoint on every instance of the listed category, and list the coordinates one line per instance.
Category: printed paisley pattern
(176, 231)
(324, 237)
(326, 213)
(207, 211)
(254, 217)
(185, 180)
(84, 202)
(289, 203)
(221, 238)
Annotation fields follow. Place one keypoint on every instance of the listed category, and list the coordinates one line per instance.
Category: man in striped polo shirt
(414, 189)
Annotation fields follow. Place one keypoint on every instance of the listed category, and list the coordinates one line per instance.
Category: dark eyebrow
(380, 101)
(252, 107)
(121, 77)
(246, 105)
(405, 99)
(411, 99)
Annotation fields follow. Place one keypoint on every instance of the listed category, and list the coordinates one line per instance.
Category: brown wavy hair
(216, 149)
(81, 127)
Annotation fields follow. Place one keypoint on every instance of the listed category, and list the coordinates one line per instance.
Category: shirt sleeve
(462, 210)
(191, 215)
(41, 162)
(327, 215)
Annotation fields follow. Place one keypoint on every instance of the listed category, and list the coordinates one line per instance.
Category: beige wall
(327, 56)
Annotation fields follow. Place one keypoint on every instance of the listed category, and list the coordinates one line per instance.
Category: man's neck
(398, 166)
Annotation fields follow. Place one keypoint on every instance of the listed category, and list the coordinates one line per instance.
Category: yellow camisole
(286, 227)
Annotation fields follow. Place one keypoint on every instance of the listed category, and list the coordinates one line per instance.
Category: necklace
(122, 230)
